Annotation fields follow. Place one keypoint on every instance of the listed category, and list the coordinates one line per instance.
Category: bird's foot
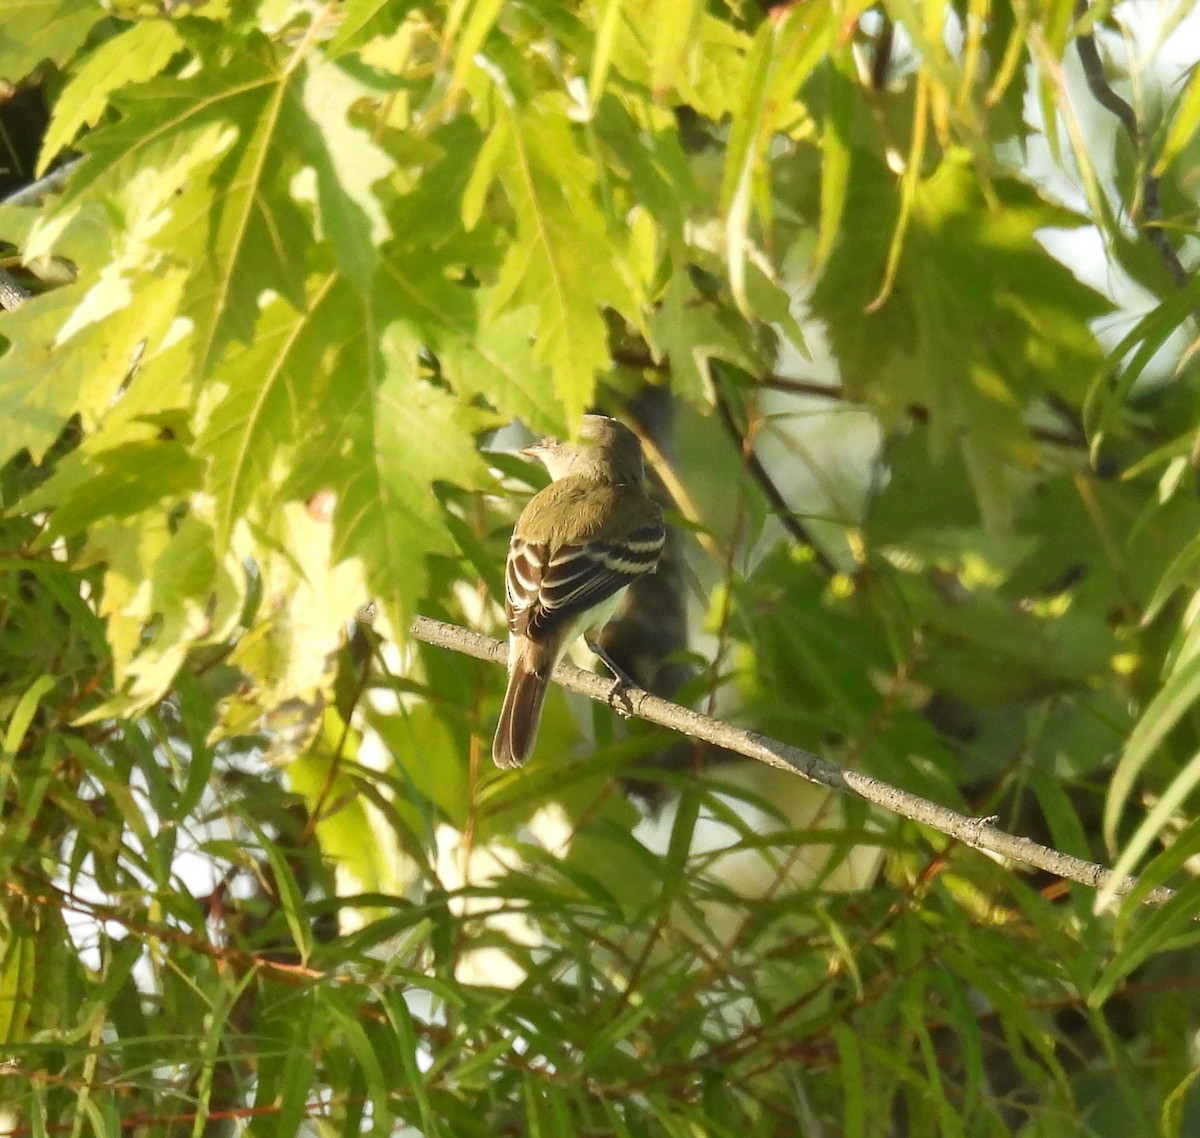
(619, 697)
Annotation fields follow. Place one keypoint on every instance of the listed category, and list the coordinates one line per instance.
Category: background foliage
(912, 283)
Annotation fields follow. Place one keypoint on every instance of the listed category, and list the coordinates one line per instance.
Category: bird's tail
(519, 717)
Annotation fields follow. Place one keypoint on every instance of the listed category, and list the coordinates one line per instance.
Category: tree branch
(1102, 92)
(977, 833)
(766, 484)
(881, 62)
(12, 293)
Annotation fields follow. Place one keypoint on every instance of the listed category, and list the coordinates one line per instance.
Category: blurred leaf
(1173, 700)
(16, 980)
(563, 263)
(1183, 124)
(343, 824)
(1167, 927)
(979, 319)
(32, 31)
(787, 48)
(1162, 812)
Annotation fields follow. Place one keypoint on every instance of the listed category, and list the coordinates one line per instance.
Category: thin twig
(770, 491)
(978, 833)
(1102, 92)
(881, 62)
(36, 192)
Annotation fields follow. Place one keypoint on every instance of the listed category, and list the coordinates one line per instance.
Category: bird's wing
(544, 590)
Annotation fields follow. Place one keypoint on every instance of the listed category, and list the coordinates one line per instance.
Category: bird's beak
(535, 450)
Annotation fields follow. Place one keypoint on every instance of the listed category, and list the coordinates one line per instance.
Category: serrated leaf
(705, 75)
(785, 51)
(979, 321)
(675, 26)
(265, 388)
(163, 593)
(347, 165)
(498, 363)
(72, 350)
(116, 483)
(691, 329)
(384, 437)
(238, 227)
(288, 657)
(33, 31)
(137, 54)
(562, 261)
(835, 160)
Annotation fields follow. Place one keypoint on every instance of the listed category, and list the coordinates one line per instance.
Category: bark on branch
(978, 833)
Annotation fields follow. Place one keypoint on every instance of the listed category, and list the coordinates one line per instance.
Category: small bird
(575, 547)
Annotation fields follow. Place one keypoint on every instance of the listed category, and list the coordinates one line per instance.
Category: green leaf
(407, 1044)
(344, 826)
(284, 1074)
(288, 657)
(261, 391)
(691, 329)
(1169, 926)
(291, 900)
(851, 1064)
(706, 76)
(33, 31)
(498, 363)
(17, 979)
(344, 1022)
(562, 262)
(383, 436)
(786, 50)
(347, 165)
(675, 23)
(96, 486)
(238, 227)
(1173, 700)
(87, 338)
(606, 32)
(23, 713)
(493, 357)
(1165, 810)
(1183, 123)
(836, 134)
(980, 321)
(479, 23)
(163, 593)
(363, 20)
(138, 53)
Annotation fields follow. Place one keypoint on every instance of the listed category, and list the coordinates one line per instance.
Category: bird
(575, 548)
